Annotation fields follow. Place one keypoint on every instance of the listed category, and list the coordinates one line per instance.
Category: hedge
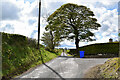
(101, 48)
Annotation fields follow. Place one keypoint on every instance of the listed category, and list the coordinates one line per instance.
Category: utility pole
(39, 22)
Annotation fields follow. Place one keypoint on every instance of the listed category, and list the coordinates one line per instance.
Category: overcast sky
(21, 17)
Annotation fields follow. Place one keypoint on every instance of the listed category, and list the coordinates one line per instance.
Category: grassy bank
(19, 54)
(110, 69)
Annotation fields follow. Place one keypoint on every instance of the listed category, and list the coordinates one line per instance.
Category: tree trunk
(52, 41)
(76, 41)
(77, 45)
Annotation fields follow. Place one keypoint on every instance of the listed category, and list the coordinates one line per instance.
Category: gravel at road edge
(93, 72)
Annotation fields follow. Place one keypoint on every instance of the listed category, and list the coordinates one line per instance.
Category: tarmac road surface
(63, 54)
(63, 67)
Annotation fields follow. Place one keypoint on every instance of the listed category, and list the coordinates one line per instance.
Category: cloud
(8, 28)
(34, 12)
(30, 10)
(34, 9)
(28, 18)
(53, 6)
(9, 11)
(66, 42)
(105, 14)
(29, 1)
(105, 28)
(31, 22)
(23, 17)
(33, 33)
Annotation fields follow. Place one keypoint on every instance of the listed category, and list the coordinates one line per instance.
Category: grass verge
(19, 54)
(110, 69)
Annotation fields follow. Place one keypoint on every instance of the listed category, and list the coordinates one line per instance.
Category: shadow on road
(54, 71)
(51, 68)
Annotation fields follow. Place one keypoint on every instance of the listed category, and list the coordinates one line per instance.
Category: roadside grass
(19, 54)
(110, 69)
(67, 52)
(69, 55)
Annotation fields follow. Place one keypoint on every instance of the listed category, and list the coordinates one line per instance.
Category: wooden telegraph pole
(39, 22)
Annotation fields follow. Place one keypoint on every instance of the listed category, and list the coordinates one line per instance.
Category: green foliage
(102, 48)
(50, 40)
(70, 17)
(19, 53)
(74, 22)
(47, 40)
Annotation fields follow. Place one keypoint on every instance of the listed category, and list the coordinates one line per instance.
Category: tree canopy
(73, 21)
(50, 40)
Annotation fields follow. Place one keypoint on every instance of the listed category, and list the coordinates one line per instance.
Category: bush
(32, 42)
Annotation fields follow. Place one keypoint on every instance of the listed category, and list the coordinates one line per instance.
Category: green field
(20, 53)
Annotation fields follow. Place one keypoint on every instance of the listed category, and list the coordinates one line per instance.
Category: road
(63, 54)
(64, 67)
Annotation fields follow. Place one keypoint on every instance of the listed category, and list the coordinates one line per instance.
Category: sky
(21, 17)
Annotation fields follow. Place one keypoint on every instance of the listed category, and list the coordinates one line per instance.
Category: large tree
(74, 22)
